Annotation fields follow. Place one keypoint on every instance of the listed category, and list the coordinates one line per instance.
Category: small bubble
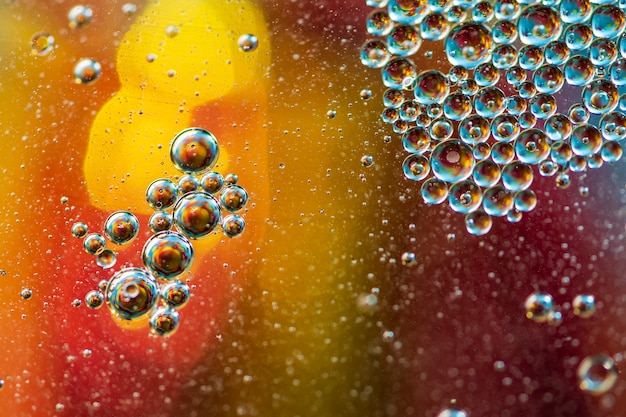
(212, 182)
(367, 161)
(94, 299)
(452, 412)
(87, 71)
(233, 198)
(129, 9)
(59, 407)
(79, 230)
(331, 114)
(167, 254)
(94, 243)
(584, 305)
(365, 94)
(597, 374)
(171, 31)
(408, 259)
(161, 194)
(248, 43)
(121, 227)
(132, 293)
(77, 302)
(175, 294)
(160, 221)
(194, 150)
(79, 16)
(538, 306)
(42, 44)
(164, 321)
(26, 293)
(106, 259)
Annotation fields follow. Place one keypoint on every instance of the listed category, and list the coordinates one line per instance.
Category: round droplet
(586, 140)
(160, 221)
(161, 194)
(452, 161)
(575, 11)
(478, 223)
(486, 173)
(197, 214)
(379, 23)
(175, 294)
(525, 200)
(431, 87)
(94, 299)
(434, 191)
(187, 184)
(79, 230)
(374, 54)
(538, 25)
(415, 167)
(407, 11)
(121, 227)
(489, 102)
(403, 40)
(464, 197)
(597, 374)
(212, 182)
(600, 96)
(517, 176)
(578, 70)
(399, 73)
(468, 45)
(248, 43)
(26, 293)
(79, 16)
(87, 71)
(167, 254)
(234, 198)
(538, 306)
(94, 243)
(164, 321)
(194, 150)
(558, 127)
(497, 201)
(584, 305)
(42, 44)
(474, 130)
(607, 21)
(171, 31)
(452, 412)
(132, 293)
(408, 259)
(532, 146)
(416, 140)
(611, 152)
(457, 106)
(106, 259)
(233, 225)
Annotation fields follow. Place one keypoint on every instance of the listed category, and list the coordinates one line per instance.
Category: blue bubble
(234, 198)
(477, 223)
(160, 221)
(517, 176)
(399, 73)
(175, 294)
(233, 225)
(586, 140)
(464, 197)
(486, 173)
(452, 161)
(132, 293)
(468, 45)
(415, 167)
(94, 243)
(416, 140)
(434, 191)
(538, 25)
(403, 40)
(431, 87)
(161, 194)
(497, 201)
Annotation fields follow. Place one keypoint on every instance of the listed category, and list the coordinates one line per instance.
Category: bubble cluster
(201, 203)
(493, 116)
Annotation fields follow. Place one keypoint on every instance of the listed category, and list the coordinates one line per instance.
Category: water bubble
(474, 130)
(248, 43)
(556, 52)
(497, 201)
(574, 11)
(161, 194)
(517, 176)
(403, 40)
(79, 16)
(525, 200)
(515, 105)
(434, 191)
(597, 374)
(602, 52)
(41, 44)
(415, 167)
(595, 161)
(160, 221)
(532, 147)
(563, 181)
(482, 12)
(478, 223)
(586, 140)
(504, 57)
(87, 71)
(407, 11)
(502, 153)
(464, 197)
(514, 216)
(527, 89)
(431, 87)
(452, 161)
(538, 25)
(441, 129)
(197, 214)
(548, 79)
(468, 45)
(94, 299)
(374, 54)
(538, 305)
(486, 173)
(530, 57)
(504, 32)
(94, 243)
(234, 198)
(434, 27)
(409, 111)
(558, 127)
(132, 293)
(121, 227)
(578, 114)
(167, 254)
(607, 21)
(164, 321)
(378, 23)
(489, 102)
(577, 164)
(398, 73)
(507, 9)
(548, 168)
(584, 305)
(365, 94)
(618, 72)
(194, 150)
(233, 225)
(187, 184)
(600, 96)
(79, 230)
(578, 36)
(457, 74)
(457, 106)
(26, 293)
(408, 259)
(611, 152)
(106, 259)
(543, 106)
(171, 31)
(393, 98)
(175, 294)
(212, 182)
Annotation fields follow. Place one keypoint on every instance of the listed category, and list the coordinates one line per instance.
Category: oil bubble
(486, 173)
(171, 31)
(161, 194)
(367, 161)
(132, 293)
(129, 9)
(586, 140)
(558, 127)
(611, 152)
(457, 106)
(94, 243)
(600, 96)
(597, 374)
(468, 45)
(556, 53)
(365, 94)
(431, 87)
(248, 43)
(464, 197)
(441, 129)
(538, 25)
(175, 294)
(187, 184)
(233, 225)
(164, 321)
(474, 130)
(167, 254)
(415, 167)
(94, 299)
(578, 114)
(416, 140)
(548, 79)
(79, 16)
(408, 259)
(525, 200)
(602, 52)
(542, 106)
(452, 161)
(212, 182)
(584, 305)
(505, 128)
(575, 11)
(548, 168)
(504, 32)
(194, 150)
(41, 44)
(607, 21)
(197, 214)
(79, 230)
(106, 259)
(489, 102)
(497, 201)
(398, 73)
(434, 191)
(561, 152)
(231, 179)
(532, 147)
(452, 412)
(407, 11)
(234, 198)
(160, 221)
(577, 164)
(530, 57)
(121, 227)
(478, 223)
(403, 40)
(379, 23)
(26, 293)
(517, 176)
(578, 70)
(374, 54)
(538, 306)
(563, 181)
(87, 71)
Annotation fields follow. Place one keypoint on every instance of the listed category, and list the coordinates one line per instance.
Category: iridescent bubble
(194, 150)
(469, 87)
(398, 73)
(79, 230)
(409, 111)
(507, 9)
(481, 151)
(595, 161)
(160, 221)
(597, 374)
(478, 223)
(600, 96)
(94, 299)
(416, 140)
(497, 201)
(464, 197)
(187, 184)
(87, 71)
(558, 127)
(542, 106)
(393, 98)
(563, 180)
(515, 105)
(234, 198)
(602, 52)
(486, 173)
(502, 153)
(578, 70)
(556, 52)
(374, 54)
(574, 11)
(132, 293)
(106, 259)
(584, 305)
(407, 11)
(233, 225)
(408, 259)
(94, 243)
(121, 227)
(171, 31)
(527, 120)
(504, 32)
(431, 87)
(474, 130)
(26, 293)
(607, 21)
(164, 321)
(527, 89)
(489, 102)
(468, 45)
(586, 140)
(578, 36)
(525, 200)
(532, 146)
(161, 194)
(577, 164)
(231, 179)
(548, 79)
(548, 168)
(530, 57)
(167, 254)
(401, 126)
(611, 152)
(212, 182)
(513, 216)
(452, 161)
(452, 412)
(578, 114)
(175, 294)
(415, 167)
(403, 40)
(505, 128)
(504, 57)
(538, 305)
(441, 129)
(365, 94)
(197, 214)
(379, 23)
(457, 74)
(79, 16)
(41, 44)
(517, 176)
(538, 25)
(366, 160)
(618, 72)
(434, 27)
(248, 43)
(434, 191)
(376, 3)
(482, 12)
(457, 106)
